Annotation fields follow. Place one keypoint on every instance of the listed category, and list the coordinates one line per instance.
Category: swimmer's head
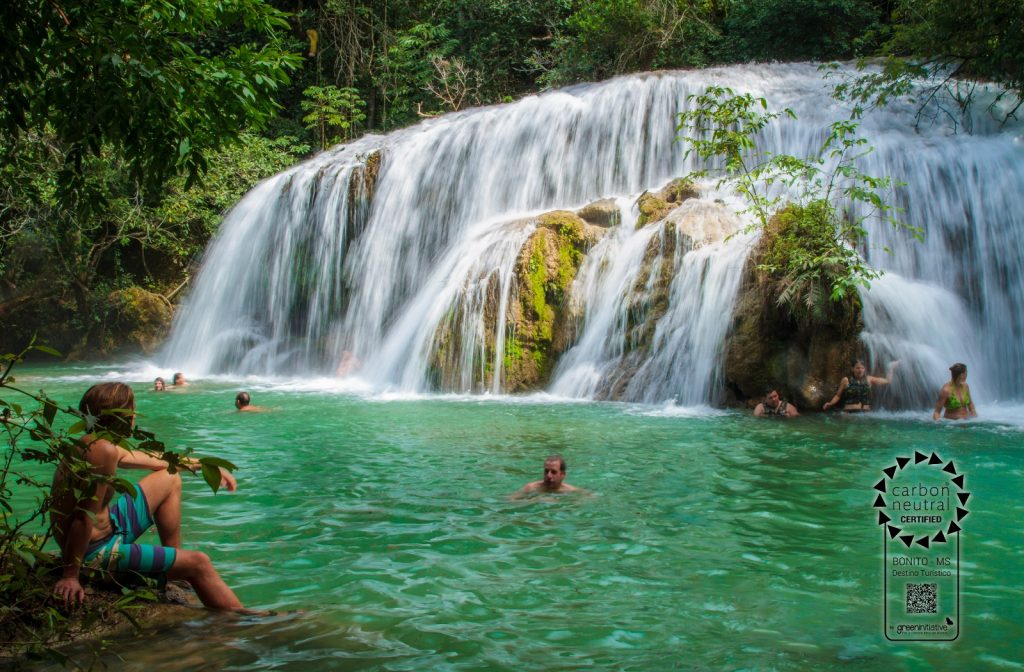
(242, 399)
(554, 471)
(159, 385)
(957, 370)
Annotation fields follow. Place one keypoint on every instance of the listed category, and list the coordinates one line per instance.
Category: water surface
(708, 539)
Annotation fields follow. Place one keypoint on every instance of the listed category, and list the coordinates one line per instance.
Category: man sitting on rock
(774, 406)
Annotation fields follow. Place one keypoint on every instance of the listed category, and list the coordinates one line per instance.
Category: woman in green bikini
(855, 390)
(955, 396)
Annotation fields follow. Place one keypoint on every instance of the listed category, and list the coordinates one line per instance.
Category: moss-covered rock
(361, 187)
(364, 177)
(135, 320)
(771, 345)
(679, 190)
(656, 206)
(603, 213)
(538, 319)
(32, 622)
(652, 209)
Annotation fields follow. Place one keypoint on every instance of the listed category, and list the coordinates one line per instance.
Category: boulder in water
(539, 317)
(771, 345)
(655, 206)
(603, 213)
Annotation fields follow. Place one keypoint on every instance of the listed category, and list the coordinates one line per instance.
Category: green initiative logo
(921, 505)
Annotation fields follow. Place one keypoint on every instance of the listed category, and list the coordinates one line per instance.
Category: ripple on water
(710, 541)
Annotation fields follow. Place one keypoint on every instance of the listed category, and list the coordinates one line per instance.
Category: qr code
(921, 598)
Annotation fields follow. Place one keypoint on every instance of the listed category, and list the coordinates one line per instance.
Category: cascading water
(683, 263)
(390, 251)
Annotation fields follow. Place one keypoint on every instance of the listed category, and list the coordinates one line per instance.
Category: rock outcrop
(768, 346)
(655, 206)
(105, 614)
(135, 320)
(540, 324)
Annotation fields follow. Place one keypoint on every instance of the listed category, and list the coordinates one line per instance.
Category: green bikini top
(955, 404)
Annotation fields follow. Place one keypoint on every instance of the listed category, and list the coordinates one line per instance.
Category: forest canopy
(128, 127)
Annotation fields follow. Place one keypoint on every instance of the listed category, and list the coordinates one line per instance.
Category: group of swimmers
(97, 532)
(243, 400)
(178, 382)
(854, 395)
(94, 532)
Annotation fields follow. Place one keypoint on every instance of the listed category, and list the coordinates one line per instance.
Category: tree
(818, 225)
(50, 252)
(799, 29)
(934, 48)
(407, 70)
(968, 38)
(603, 38)
(139, 78)
(333, 113)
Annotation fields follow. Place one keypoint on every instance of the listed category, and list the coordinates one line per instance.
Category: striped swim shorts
(130, 518)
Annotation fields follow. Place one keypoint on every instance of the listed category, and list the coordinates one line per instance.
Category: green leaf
(211, 474)
(47, 349)
(49, 411)
(217, 462)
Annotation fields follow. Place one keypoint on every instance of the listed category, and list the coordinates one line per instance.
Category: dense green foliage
(113, 112)
(815, 225)
(972, 38)
(149, 84)
(802, 29)
(949, 45)
(60, 265)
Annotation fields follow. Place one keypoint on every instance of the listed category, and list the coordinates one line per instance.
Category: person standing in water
(855, 389)
(955, 396)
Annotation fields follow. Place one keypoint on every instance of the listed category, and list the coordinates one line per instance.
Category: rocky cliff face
(135, 320)
(540, 319)
(769, 347)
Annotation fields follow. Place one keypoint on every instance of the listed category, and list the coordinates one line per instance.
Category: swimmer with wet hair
(955, 396)
(243, 402)
(553, 481)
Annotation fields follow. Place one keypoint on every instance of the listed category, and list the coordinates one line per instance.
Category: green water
(709, 540)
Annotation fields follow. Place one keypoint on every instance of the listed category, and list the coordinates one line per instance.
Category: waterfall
(695, 271)
(397, 252)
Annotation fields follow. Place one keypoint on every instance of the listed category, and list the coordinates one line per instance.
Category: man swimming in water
(243, 402)
(775, 406)
(554, 478)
